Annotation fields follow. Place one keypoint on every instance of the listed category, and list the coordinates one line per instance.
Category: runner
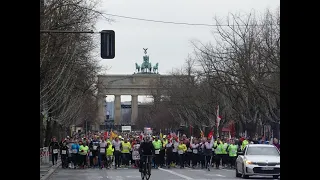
(54, 149)
(102, 153)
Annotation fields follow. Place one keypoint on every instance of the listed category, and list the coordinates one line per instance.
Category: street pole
(73, 32)
(217, 130)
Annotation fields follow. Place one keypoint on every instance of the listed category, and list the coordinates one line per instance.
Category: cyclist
(146, 148)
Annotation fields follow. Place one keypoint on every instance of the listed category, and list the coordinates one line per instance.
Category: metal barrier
(44, 156)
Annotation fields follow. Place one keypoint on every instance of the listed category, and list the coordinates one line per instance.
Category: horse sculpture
(137, 67)
(145, 65)
(150, 67)
(155, 68)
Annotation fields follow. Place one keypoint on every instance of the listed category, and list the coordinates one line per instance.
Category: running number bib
(102, 150)
(64, 152)
(156, 151)
(74, 151)
(55, 151)
(195, 151)
(135, 155)
(180, 152)
(125, 148)
(95, 147)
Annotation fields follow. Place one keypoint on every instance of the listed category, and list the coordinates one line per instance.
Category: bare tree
(244, 67)
(68, 69)
(240, 73)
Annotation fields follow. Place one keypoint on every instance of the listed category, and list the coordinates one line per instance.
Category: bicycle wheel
(148, 171)
(143, 172)
(142, 175)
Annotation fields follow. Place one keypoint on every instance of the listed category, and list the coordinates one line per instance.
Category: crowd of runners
(109, 150)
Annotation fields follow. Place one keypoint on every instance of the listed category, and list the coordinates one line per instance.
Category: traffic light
(107, 44)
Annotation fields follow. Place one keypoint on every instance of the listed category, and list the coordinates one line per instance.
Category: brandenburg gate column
(134, 109)
(117, 109)
(101, 115)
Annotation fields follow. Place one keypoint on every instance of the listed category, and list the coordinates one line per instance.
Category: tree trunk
(276, 130)
(41, 131)
(48, 133)
(251, 129)
(54, 130)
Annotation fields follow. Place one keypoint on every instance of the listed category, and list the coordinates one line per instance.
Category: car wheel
(276, 177)
(237, 172)
(243, 174)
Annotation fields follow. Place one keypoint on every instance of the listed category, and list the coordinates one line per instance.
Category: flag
(173, 135)
(210, 134)
(113, 135)
(201, 133)
(106, 134)
(161, 135)
(141, 136)
(218, 117)
(169, 136)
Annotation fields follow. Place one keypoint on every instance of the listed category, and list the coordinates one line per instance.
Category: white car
(258, 159)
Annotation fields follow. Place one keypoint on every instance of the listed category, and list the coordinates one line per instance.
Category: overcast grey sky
(167, 44)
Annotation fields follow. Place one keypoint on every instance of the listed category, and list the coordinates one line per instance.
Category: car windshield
(269, 151)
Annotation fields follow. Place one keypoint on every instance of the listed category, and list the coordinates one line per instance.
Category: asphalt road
(156, 174)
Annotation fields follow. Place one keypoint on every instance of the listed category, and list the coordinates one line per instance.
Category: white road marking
(202, 170)
(196, 170)
(228, 170)
(220, 175)
(133, 176)
(177, 174)
(215, 175)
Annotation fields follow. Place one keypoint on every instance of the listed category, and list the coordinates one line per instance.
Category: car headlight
(248, 162)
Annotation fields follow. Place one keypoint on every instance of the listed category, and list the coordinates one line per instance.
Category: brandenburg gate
(143, 82)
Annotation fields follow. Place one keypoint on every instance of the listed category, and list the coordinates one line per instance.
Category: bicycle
(146, 167)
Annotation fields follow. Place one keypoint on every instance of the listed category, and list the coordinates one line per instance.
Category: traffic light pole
(76, 32)
(107, 40)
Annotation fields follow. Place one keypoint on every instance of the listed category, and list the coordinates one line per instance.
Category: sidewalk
(46, 170)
